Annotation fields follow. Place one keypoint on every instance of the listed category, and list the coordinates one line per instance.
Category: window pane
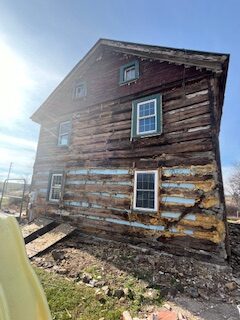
(63, 140)
(147, 124)
(145, 190)
(145, 199)
(146, 109)
(129, 73)
(65, 127)
(80, 91)
(56, 185)
(56, 193)
(57, 180)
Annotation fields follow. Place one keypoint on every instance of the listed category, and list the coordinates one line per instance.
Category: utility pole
(9, 171)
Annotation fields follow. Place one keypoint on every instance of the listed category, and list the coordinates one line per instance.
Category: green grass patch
(70, 300)
(93, 271)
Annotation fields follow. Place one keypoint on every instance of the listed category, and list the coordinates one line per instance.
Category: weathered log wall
(99, 167)
(101, 75)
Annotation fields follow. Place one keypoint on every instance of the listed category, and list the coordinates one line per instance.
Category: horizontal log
(111, 188)
(185, 113)
(184, 102)
(98, 177)
(176, 93)
(99, 200)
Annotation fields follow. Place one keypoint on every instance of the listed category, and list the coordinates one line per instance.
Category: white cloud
(15, 84)
(18, 142)
(24, 82)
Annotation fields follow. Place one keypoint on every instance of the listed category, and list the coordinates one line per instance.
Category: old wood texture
(36, 228)
(48, 239)
(100, 161)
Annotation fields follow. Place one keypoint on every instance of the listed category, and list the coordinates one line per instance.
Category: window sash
(126, 73)
(155, 190)
(146, 117)
(129, 73)
(61, 141)
(55, 187)
(80, 91)
(135, 130)
(64, 131)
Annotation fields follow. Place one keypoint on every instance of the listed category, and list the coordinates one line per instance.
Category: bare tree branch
(234, 184)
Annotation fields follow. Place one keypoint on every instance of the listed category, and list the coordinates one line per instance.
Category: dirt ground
(197, 290)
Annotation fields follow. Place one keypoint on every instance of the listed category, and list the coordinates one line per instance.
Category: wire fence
(14, 196)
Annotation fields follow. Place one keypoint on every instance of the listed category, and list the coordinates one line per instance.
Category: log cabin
(129, 148)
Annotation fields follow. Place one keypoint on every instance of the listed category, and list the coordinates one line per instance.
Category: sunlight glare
(15, 82)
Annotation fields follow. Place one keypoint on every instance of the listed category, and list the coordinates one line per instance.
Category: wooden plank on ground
(48, 239)
(36, 228)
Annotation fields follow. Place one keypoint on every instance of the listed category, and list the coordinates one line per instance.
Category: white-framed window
(55, 187)
(64, 133)
(145, 190)
(80, 90)
(147, 117)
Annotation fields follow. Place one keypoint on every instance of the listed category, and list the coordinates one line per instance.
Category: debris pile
(130, 273)
(166, 312)
(169, 275)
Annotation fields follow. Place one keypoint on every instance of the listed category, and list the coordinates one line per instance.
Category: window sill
(79, 98)
(128, 82)
(63, 146)
(138, 137)
(53, 202)
(144, 211)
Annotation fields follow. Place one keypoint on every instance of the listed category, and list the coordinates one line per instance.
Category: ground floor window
(55, 187)
(146, 190)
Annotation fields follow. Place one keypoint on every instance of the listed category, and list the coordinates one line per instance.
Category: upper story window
(129, 72)
(147, 116)
(55, 187)
(146, 190)
(64, 133)
(80, 90)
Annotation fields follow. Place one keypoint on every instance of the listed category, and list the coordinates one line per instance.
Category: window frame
(64, 134)
(158, 117)
(156, 188)
(149, 116)
(132, 67)
(123, 69)
(50, 186)
(79, 84)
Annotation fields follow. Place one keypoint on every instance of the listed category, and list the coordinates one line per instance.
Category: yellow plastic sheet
(21, 294)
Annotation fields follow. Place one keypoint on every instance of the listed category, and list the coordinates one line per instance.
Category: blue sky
(40, 42)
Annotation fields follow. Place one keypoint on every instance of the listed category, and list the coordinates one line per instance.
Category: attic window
(80, 90)
(129, 72)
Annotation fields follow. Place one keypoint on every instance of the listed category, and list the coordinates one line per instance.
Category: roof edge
(139, 48)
